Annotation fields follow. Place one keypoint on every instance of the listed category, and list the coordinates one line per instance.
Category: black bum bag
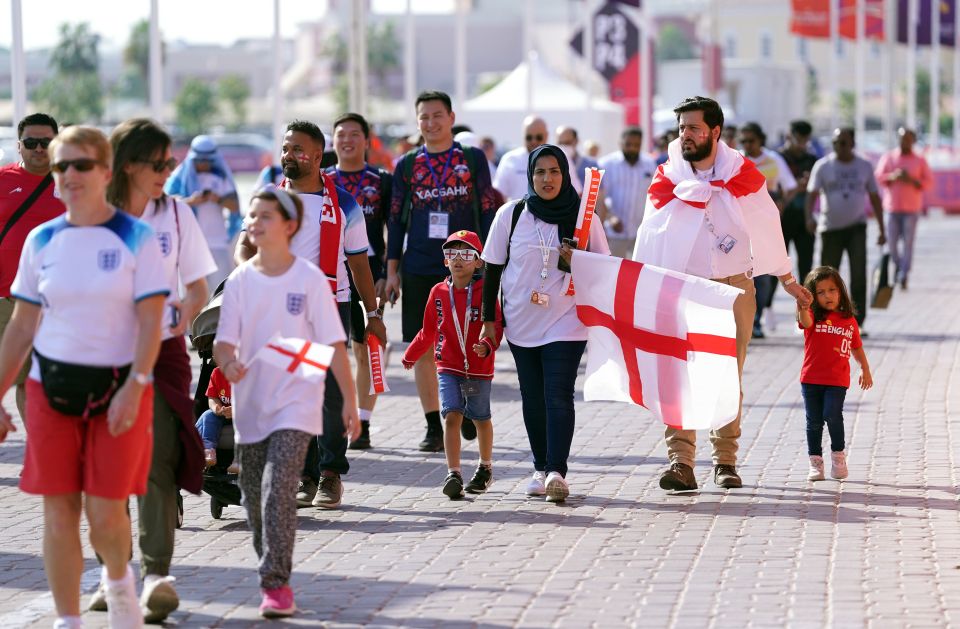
(79, 390)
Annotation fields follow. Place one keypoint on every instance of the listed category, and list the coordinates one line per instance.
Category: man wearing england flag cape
(668, 337)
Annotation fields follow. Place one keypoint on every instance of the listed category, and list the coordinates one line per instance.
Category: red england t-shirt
(826, 350)
(16, 184)
(219, 387)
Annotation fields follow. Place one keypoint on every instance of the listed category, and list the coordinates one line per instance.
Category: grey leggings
(269, 473)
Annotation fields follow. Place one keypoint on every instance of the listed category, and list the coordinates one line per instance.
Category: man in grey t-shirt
(842, 179)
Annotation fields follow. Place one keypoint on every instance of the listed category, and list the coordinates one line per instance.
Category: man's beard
(292, 171)
(699, 152)
(631, 157)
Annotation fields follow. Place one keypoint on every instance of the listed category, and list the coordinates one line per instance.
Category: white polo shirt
(511, 177)
(88, 281)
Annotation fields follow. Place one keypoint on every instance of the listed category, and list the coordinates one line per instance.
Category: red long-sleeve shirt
(440, 333)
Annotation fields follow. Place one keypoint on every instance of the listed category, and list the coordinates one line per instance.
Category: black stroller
(221, 485)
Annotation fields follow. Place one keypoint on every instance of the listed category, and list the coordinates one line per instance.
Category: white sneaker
(536, 487)
(838, 465)
(98, 600)
(158, 598)
(816, 468)
(68, 623)
(557, 488)
(123, 612)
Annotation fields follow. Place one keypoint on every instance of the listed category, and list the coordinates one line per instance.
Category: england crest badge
(296, 302)
(166, 243)
(108, 259)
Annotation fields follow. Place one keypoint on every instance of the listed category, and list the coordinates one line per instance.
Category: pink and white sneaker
(278, 602)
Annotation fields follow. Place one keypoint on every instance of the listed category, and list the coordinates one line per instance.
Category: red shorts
(68, 455)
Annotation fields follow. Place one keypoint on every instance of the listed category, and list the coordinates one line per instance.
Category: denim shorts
(476, 407)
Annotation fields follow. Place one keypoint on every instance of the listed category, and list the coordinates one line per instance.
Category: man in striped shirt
(625, 182)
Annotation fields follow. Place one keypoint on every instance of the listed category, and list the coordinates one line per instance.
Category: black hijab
(562, 210)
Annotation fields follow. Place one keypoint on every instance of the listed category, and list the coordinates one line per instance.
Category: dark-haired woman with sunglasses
(141, 164)
(95, 274)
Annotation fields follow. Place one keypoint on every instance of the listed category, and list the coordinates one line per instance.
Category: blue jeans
(824, 403)
(210, 426)
(328, 452)
(547, 375)
(902, 226)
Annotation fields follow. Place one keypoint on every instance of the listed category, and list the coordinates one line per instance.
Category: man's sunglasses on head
(32, 143)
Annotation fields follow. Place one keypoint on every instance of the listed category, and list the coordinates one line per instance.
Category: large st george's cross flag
(659, 339)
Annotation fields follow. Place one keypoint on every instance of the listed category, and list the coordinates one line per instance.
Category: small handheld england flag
(298, 357)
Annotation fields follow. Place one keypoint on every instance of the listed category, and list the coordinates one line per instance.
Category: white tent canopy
(499, 112)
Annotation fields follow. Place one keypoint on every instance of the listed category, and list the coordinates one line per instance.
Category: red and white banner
(298, 357)
(378, 366)
(588, 204)
(811, 18)
(659, 339)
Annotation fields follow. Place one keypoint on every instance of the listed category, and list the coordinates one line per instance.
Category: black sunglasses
(83, 165)
(538, 138)
(32, 143)
(159, 165)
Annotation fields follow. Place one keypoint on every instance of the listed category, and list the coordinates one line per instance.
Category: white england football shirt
(353, 234)
(88, 280)
(210, 215)
(255, 307)
(186, 257)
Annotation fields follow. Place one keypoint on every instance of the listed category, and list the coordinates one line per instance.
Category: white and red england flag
(298, 357)
(659, 339)
(378, 366)
(676, 204)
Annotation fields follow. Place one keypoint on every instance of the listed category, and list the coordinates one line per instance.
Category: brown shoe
(726, 476)
(678, 477)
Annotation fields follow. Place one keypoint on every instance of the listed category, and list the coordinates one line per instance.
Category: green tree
(196, 104)
(382, 47)
(672, 43)
(847, 106)
(136, 53)
(235, 91)
(73, 93)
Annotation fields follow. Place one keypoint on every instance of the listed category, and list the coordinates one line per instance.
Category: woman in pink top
(904, 176)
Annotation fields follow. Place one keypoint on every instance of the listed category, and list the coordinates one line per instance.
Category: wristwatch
(142, 378)
(375, 314)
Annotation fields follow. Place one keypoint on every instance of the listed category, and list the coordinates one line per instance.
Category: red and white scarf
(675, 206)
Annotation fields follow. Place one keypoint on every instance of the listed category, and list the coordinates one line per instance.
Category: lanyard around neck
(465, 330)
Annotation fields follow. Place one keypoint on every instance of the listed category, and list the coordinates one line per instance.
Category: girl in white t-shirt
(275, 413)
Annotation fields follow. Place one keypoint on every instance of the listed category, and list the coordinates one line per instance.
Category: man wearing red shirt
(17, 183)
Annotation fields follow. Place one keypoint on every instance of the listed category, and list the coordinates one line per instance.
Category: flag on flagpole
(378, 376)
(588, 204)
(298, 357)
(659, 339)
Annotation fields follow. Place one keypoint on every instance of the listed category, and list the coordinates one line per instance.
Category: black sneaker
(758, 332)
(363, 441)
(726, 476)
(468, 430)
(453, 486)
(678, 477)
(433, 440)
(482, 479)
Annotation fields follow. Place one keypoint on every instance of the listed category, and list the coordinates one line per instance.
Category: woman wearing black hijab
(546, 337)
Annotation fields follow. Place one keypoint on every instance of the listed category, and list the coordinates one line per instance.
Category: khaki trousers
(682, 444)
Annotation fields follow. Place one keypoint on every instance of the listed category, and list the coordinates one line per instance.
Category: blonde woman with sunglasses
(95, 274)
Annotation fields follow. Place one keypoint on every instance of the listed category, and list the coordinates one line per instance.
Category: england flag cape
(677, 198)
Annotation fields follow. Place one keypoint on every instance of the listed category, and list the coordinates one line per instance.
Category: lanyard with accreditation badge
(439, 224)
(468, 387)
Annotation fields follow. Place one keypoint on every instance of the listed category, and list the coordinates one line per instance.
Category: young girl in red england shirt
(830, 337)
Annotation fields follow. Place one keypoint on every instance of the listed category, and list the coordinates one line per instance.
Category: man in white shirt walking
(511, 177)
